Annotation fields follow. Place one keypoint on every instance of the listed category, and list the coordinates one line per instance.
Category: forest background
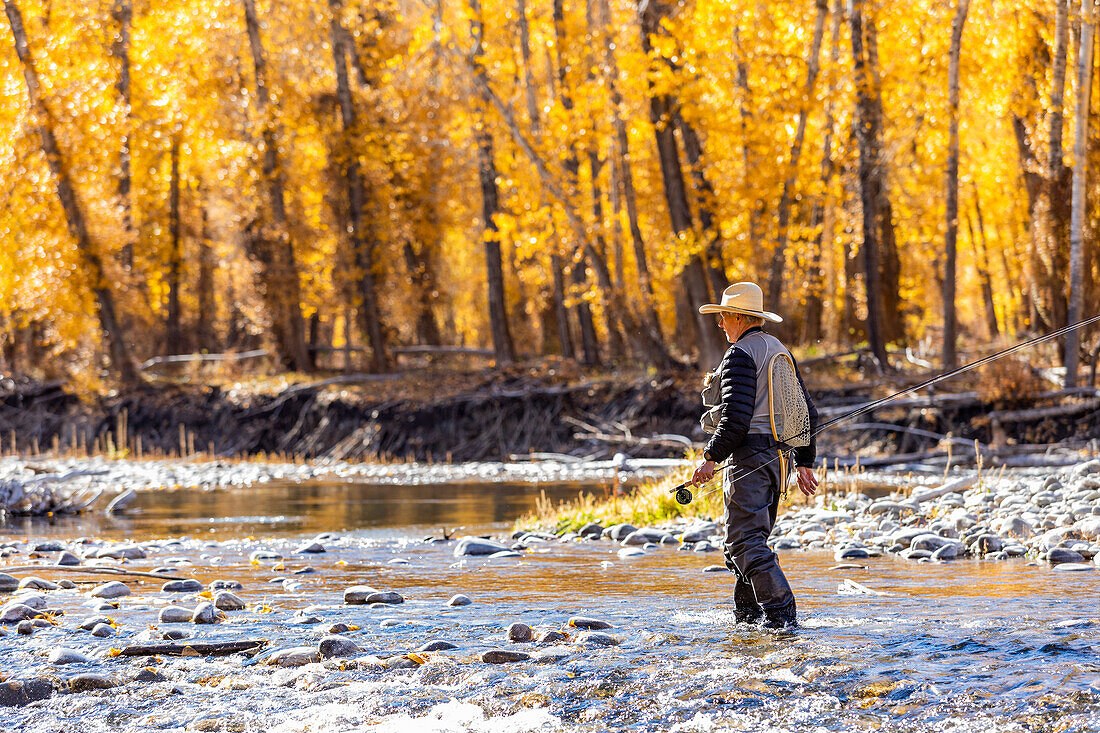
(538, 177)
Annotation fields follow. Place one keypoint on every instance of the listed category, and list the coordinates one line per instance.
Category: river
(960, 646)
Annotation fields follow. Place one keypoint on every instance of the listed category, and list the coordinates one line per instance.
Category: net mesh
(789, 411)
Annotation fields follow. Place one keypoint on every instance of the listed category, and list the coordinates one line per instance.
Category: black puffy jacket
(738, 375)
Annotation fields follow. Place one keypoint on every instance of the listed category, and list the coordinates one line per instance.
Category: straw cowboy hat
(745, 298)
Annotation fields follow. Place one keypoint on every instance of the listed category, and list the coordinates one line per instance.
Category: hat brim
(716, 308)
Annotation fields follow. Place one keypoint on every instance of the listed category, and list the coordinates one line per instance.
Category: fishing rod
(683, 493)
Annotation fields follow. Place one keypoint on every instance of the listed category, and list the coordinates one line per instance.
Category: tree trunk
(490, 204)
(423, 280)
(363, 244)
(870, 182)
(273, 246)
(779, 256)
(122, 13)
(121, 362)
(812, 327)
(981, 257)
(712, 235)
(625, 170)
(589, 344)
(1056, 193)
(694, 277)
(597, 252)
(205, 337)
(174, 326)
(950, 240)
(889, 261)
(1080, 181)
(561, 315)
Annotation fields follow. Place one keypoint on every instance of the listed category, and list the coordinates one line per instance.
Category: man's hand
(807, 482)
(704, 473)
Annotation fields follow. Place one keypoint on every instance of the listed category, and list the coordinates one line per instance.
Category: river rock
(587, 623)
(1060, 555)
(103, 631)
(520, 632)
(90, 623)
(227, 601)
(387, 597)
(149, 674)
(630, 552)
(715, 569)
(16, 693)
(36, 583)
(437, 646)
(26, 628)
(205, 613)
(502, 656)
(358, 594)
(553, 637)
(1073, 567)
(339, 628)
(618, 532)
(34, 600)
(175, 615)
(1014, 528)
(189, 585)
(63, 655)
(122, 552)
(645, 536)
(310, 548)
(851, 553)
(175, 634)
(479, 546)
(947, 552)
(68, 559)
(930, 542)
(226, 585)
(259, 555)
(400, 661)
(1089, 527)
(505, 553)
(113, 589)
(294, 657)
(987, 544)
(8, 583)
(459, 599)
(337, 646)
(48, 546)
(552, 655)
(15, 612)
(592, 530)
(89, 682)
(596, 638)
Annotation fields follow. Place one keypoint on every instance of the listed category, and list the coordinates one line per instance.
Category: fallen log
(195, 649)
(1040, 413)
(183, 358)
(98, 570)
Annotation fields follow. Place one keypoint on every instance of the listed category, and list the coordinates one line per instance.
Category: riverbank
(1045, 514)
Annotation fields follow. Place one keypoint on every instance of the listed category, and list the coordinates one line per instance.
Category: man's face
(730, 325)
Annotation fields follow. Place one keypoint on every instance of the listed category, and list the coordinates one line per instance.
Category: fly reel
(683, 495)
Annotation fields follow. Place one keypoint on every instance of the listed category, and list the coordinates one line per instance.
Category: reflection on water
(967, 646)
(285, 508)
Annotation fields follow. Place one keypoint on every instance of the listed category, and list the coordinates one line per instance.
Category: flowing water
(963, 646)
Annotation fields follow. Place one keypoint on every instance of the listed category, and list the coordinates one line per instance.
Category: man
(756, 477)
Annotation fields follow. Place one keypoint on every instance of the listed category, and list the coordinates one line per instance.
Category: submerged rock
(437, 646)
(16, 693)
(149, 674)
(478, 546)
(15, 612)
(596, 638)
(25, 627)
(182, 586)
(715, 569)
(1074, 567)
(337, 646)
(123, 552)
(226, 585)
(89, 682)
(459, 600)
(629, 552)
(851, 553)
(63, 655)
(1060, 555)
(310, 548)
(553, 637)
(227, 601)
(36, 583)
(175, 615)
(205, 613)
(102, 631)
(294, 657)
(114, 589)
(520, 632)
(591, 624)
(501, 656)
